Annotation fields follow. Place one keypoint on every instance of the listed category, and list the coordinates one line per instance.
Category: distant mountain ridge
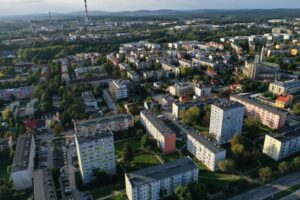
(168, 12)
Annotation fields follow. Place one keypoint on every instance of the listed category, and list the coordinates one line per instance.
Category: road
(71, 171)
(270, 189)
(293, 196)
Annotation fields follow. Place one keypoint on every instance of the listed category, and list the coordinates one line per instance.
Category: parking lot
(59, 153)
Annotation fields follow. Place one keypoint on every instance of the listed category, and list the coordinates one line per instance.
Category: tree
(191, 116)
(127, 153)
(283, 167)
(147, 142)
(237, 139)
(296, 162)
(226, 165)
(6, 113)
(206, 118)
(58, 129)
(198, 190)
(5, 192)
(238, 149)
(296, 109)
(119, 196)
(252, 126)
(97, 91)
(265, 174)
(183, 193)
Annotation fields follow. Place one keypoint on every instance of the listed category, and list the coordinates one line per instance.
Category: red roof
(30, 124)
(284, 98)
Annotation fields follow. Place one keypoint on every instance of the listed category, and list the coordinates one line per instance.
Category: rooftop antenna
(50, 16)
(86, 12)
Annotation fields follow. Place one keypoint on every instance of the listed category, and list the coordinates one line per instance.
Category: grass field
(134, 142)
(171, 157)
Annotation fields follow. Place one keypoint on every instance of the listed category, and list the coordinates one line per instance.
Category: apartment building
(202, 90)
(181, 89)
(95, 150)
(165, 137)
(89, 99)
(23, 162)
(226, 120)
(177, 107)
(205, 150)
(118, 89)
(113, 123)
(237, 48)
(16, 93)
(44, 188)
(283, 143)
(132, 75)
(288, 87)
(160, 181)
(269, 116)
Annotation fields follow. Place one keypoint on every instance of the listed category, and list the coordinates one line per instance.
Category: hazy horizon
(24, 7)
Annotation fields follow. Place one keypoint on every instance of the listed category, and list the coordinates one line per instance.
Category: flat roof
(103, 119)
(159, 172)
(159, 124)
(257, 103)
(227, 105)
(287, 133)
(43, 185)
(22, 153)
(205, 142)
(89, 136)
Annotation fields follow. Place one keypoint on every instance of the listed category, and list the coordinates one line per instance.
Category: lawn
(134, 142)
(142, 161)
(107, 190)
(171, 157)
(3, 170)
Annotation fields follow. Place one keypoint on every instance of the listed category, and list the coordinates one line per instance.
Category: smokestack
(86, 12)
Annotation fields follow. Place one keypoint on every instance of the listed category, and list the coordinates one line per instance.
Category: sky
(20, 7)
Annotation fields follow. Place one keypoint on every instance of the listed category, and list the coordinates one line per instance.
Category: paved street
(270, 189)
(293, 196)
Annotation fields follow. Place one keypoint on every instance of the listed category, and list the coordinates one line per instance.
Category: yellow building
(283, 101)
(294, 52)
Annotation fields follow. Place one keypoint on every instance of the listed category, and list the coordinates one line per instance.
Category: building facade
(118, 89)
(165, 137)
(205, 150)
(113, 123)
(269, 116)
(23, 162)
(288, 87)
(160, 181)
(95, 151)
(226, 120)
(181, 89)
(283, 143)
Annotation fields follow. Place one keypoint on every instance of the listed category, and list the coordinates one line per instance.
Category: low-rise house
(284, 101)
